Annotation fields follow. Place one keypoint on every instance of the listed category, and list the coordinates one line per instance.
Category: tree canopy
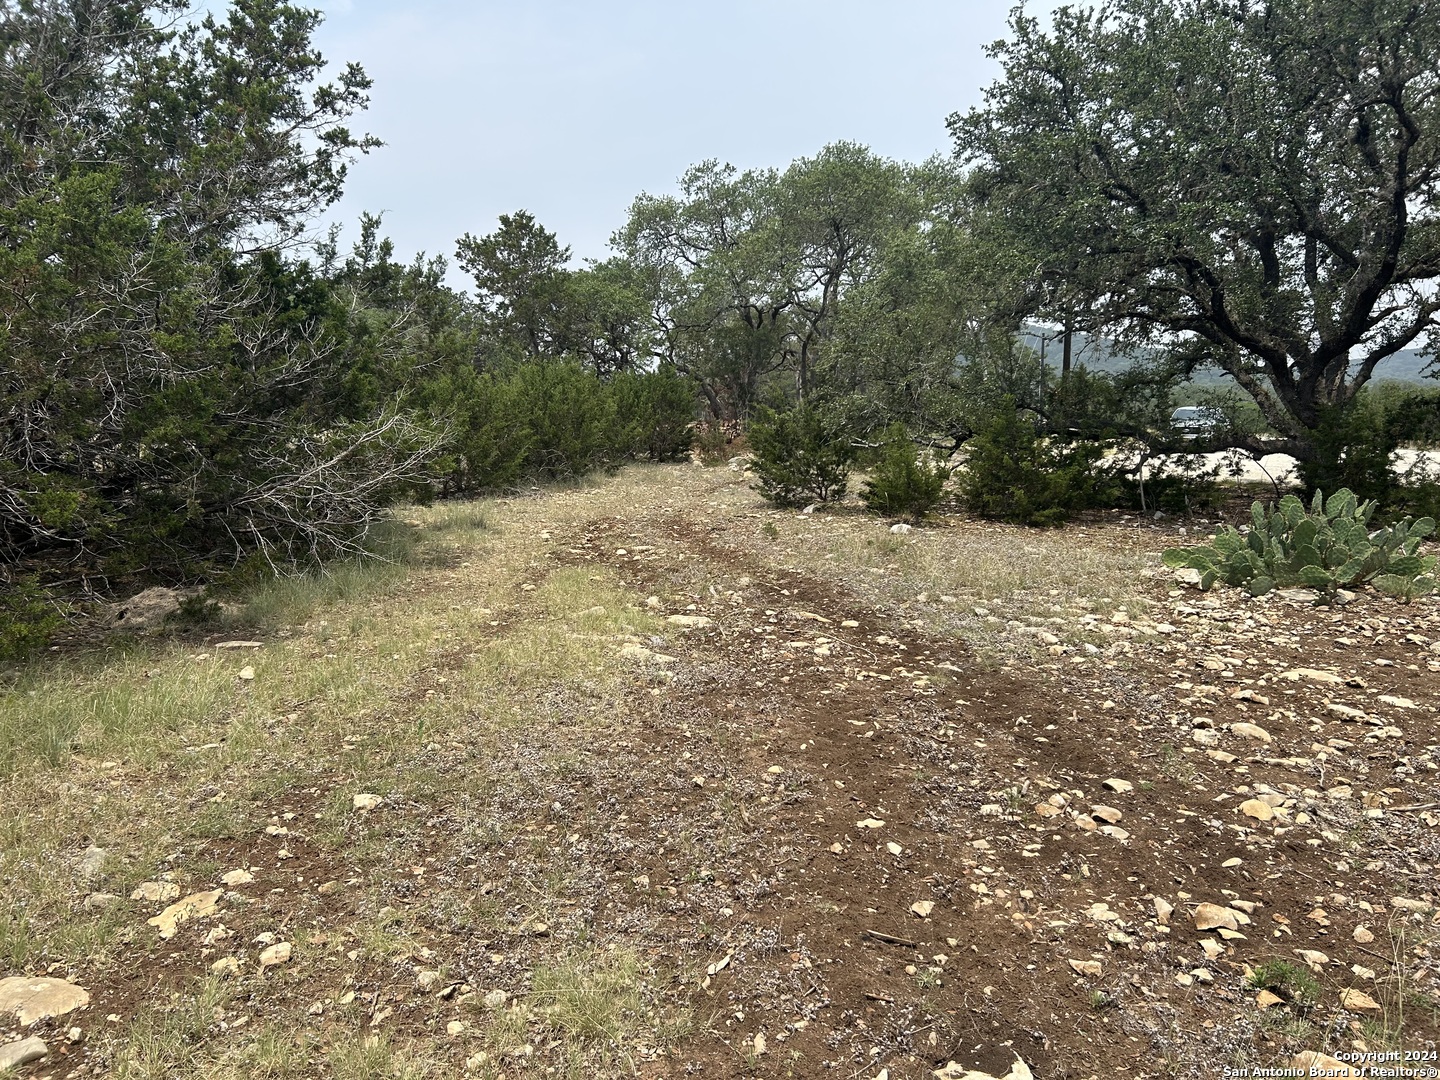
(800, 276)
(1251, 185)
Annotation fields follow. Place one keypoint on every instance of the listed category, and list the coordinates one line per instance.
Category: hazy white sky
(570, 109)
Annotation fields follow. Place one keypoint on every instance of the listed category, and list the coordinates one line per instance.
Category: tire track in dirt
(874, 721)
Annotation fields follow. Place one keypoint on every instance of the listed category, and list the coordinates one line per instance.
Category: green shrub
(1353, 447)
(1012, 474)
(800, 457)
(552, 419)
(487, 443)
(655, 411)
(713, 443)
(1323, 549)
(1179, 484)
(567, 416)
(904, 483)
(27, 620)
(1289, 981)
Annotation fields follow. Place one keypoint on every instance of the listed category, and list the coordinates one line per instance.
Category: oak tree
(1249, 184)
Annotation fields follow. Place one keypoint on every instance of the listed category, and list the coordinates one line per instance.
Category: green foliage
(1325, 548)
(1185, 484)
(1411, 413)
(27, 619)
(749, 275)
(903, 481)
(656, 411)
(1356, 447)
(800, 457)
(518, 271)
(1149, 169)
(567, 421)
(713, 443)
(554, 419)
(177, 394)
(1013, 474)
(1287, 980)
(1353, 447)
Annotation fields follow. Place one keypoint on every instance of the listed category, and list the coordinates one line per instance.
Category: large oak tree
(1251, 184)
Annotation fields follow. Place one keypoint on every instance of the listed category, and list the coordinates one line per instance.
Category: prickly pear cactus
(1327, 547)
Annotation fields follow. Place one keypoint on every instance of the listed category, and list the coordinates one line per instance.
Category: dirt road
(648, 778)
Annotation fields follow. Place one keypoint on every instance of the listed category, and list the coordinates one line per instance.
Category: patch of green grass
(375, 1057)
(595, 1003)
(1289, 981)
(169, 1040)
(290, 599)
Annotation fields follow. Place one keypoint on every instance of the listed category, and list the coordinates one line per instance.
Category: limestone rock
(195, 906)
(365, 802)
(1312, 675)
(92, 862)
(1397, 702)
(1345, 712)
(953, 1071)
(1358, 1001)
(15, 1054)
(1213, 916)
(38, 999)
(156, 892)
(278, 953)
(1257, 809)
(1314, 959)
(689, 622)
(1402, 903)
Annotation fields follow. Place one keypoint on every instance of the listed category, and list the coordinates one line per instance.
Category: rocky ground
(824, 799)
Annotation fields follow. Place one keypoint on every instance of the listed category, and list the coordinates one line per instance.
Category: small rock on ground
(15, 1054)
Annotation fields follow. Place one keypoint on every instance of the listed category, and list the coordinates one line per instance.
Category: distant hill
(1099, 354)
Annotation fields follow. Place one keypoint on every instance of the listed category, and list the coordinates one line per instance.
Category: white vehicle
(1195, 421)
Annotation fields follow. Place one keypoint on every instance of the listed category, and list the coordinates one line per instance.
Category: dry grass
(155, 747)
(988, 584)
